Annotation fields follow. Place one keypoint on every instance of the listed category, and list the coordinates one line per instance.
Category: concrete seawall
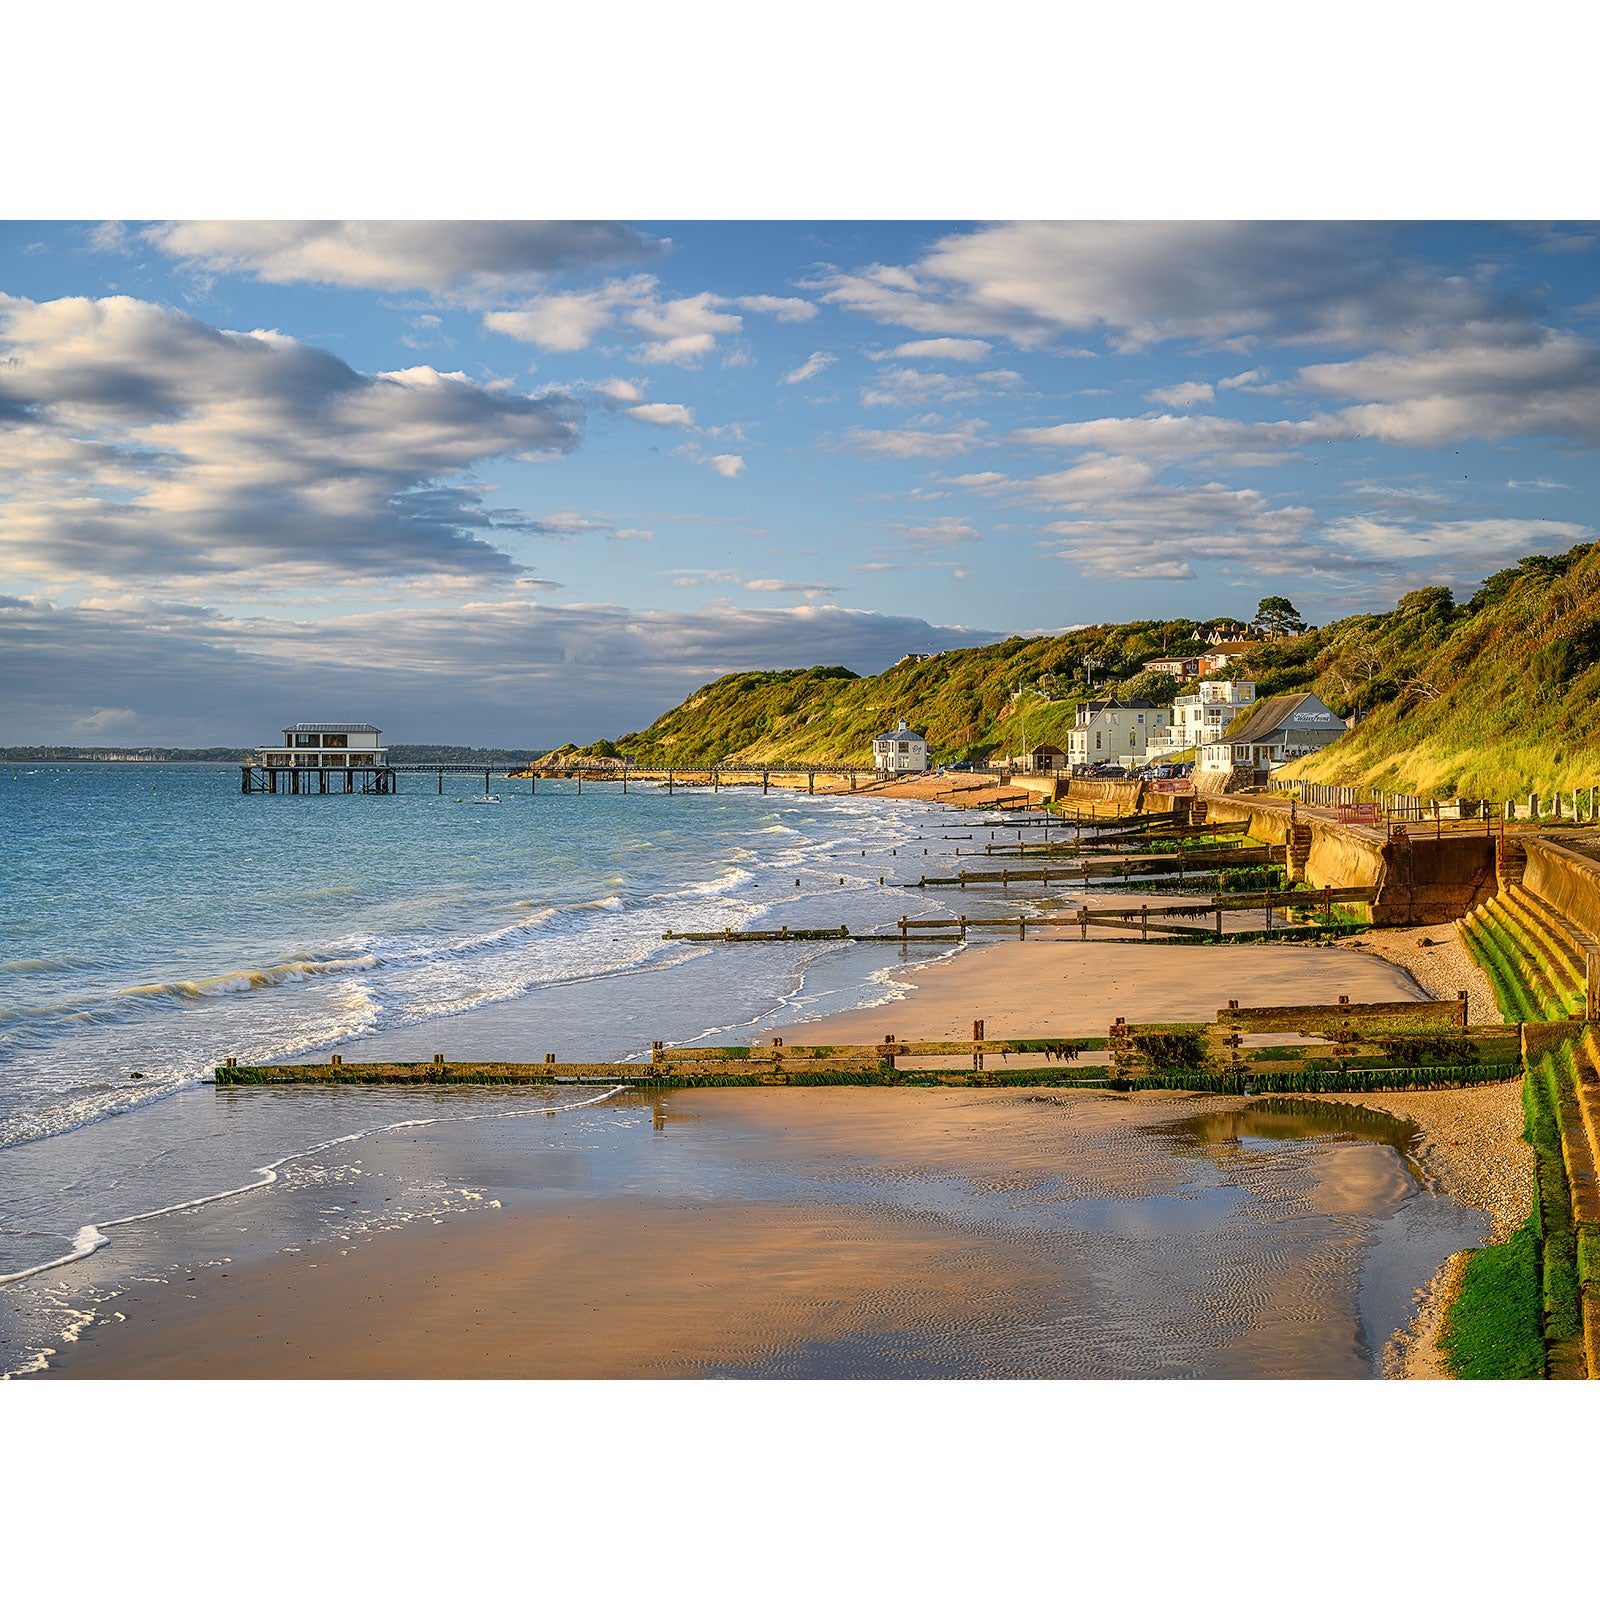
(1566, 880)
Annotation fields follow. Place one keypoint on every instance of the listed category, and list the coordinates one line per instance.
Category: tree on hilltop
(1275, 615)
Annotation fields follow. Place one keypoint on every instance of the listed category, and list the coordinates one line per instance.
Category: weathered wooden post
(1144, 924)
(1461, 998)
(1083, 923)
(963, 925)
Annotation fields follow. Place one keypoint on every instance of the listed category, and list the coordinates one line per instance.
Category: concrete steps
(1556, 942)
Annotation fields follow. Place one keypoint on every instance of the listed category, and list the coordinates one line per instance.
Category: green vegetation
(1488, 699)
(1494, 1327)
(1162, 1050)
(972, 704)
(1534, 979)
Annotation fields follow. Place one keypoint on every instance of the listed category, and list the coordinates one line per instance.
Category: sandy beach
(906, 1232)
(902, 1233)
(1060, 987)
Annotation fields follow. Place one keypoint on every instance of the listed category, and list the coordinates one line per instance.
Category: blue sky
(522, 482)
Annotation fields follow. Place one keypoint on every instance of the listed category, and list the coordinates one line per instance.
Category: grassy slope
(963, 700)
(1488, 699)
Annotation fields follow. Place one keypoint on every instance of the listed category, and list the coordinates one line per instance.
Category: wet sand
(1062, 988)
(886, 1233)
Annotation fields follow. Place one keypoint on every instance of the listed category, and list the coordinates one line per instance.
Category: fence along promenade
(1578, 804)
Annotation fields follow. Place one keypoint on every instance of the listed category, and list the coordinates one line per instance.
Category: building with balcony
(351, 752)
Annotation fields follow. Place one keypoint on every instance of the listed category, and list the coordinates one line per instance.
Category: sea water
(154, 921)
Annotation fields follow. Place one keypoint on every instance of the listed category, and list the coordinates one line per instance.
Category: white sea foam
(91, 1236)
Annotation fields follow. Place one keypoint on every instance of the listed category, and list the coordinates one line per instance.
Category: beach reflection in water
(751, 1233)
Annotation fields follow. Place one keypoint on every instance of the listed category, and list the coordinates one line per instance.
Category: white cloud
(939, 530)
(104, 720)
(938, 350)
(905, 444)
(817, 361)
(680, 332)
(618, 391)
(976, 480)
(1124, 521)
(909, 386)
(1176, 437)
(1433, 397)
(662, 415)
(1485, 541)
(785, 309)
(565, 321)
(473, 260)
(634, 533)
(725, 466)
(152, 448)
(1141, 282)
(1183, 394)
(1243, 380)
(1535, 483)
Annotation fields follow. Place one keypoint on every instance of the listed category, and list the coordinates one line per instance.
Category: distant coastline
(223, 755)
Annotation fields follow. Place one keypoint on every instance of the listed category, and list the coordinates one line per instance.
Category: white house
(1198, 719)
(1279, 729)
(904, 750)
(326, 744)
(1108, 730)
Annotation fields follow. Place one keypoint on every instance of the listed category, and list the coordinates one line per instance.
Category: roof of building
(901, 733)
(1046, 750)
(1231, 649)
(1095, 707)
(1167, 661)
(331, 727)
(1270, 714)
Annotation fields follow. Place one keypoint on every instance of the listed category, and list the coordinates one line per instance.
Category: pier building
(313, 753)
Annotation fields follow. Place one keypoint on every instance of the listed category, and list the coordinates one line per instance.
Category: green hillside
(977, 702)
(1488, 698)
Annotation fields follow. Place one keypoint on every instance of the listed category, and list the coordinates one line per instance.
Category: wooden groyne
(1272, 903)
(1399, 1044)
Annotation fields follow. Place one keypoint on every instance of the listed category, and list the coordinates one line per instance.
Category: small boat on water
(486, 799)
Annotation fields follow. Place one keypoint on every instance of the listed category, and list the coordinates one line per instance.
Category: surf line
(90, 1238)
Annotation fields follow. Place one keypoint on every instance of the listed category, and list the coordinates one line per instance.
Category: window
(335, 741)
(305, 741)
(1097, 741)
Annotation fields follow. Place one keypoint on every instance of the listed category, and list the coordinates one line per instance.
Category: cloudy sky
(522, 482)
